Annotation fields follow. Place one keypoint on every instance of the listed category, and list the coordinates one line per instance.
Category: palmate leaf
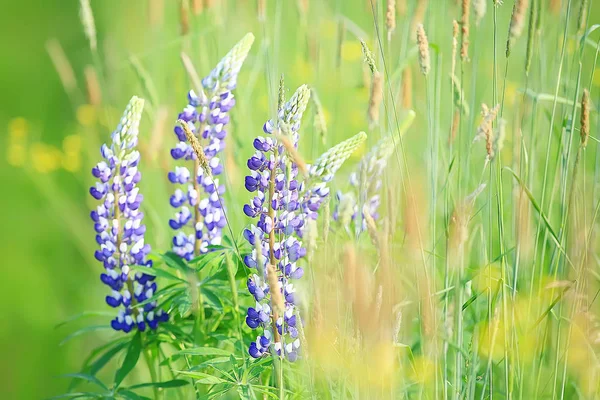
(330, 161)
(131, 358)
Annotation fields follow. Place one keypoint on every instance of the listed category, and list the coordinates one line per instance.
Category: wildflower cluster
(282, 204)
(119, 228)
(366, 183)
(200, 217)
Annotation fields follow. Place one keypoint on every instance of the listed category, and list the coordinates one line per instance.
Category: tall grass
(478, 275)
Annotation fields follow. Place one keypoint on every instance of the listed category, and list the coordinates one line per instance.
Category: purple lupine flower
(366, 182)
(119, 228)
(282, 204)
(200, 217)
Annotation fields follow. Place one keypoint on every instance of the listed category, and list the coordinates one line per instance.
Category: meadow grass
(477, 275)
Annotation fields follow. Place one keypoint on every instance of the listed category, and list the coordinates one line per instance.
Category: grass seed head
(87, 20)
(375, 98)
(184, 17)
(517, 23)
(423, 45)
(369, 58)
(196, 146)
(585, 117)
(479, 9)
(464, 21)
(390, 17)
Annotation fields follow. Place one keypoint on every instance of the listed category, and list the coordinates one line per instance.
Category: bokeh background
(51, 135)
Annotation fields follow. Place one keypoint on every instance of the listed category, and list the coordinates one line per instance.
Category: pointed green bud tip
(327, 165)
(296, 106)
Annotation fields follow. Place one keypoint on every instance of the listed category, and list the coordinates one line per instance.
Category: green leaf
(85, 314)
(78, 395)
(105, 358)
(537, 207)
(212, 299)
(81, 331)
(163, 385)
(205, 351)
(128, 394)
(131, 358)
(87, 378)
(158, 272)
(203, 378)
(174, 261)
(244, 392)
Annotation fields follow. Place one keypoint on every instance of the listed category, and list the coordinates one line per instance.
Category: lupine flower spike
(282, 205)
(119, 228)
(366, 182)
(200, 218)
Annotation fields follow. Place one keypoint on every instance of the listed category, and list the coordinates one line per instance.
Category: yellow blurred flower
(72, 144)
(488, 278)
(86, 115)
(351, 51)
(16, 155)
(302, 71)
(45, 158)
(18, 129)
(423, 370)
(328, 29)
(71, 162)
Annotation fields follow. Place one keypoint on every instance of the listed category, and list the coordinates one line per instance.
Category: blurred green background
(50, 135)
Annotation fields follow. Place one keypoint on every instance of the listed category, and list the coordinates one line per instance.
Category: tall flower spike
(282, 204)
(119, 228)
(200, 218)
(366, 182)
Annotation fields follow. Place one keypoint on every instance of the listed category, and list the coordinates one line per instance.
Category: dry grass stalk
(531, 35)
(455, 29)
(371, 226)
(401, 7)
(517, 23)
(303, 7)
(455, 125)
(262, 10)
(375, 98)
(319, 122)
(62, 65)
(464, 21)
(341, 37)
(275, 290)
(418, 16)
(293, 153)
(423, 45)
(158, 130)
(94, 93)
(192, 74)
(326, 222)
(582, 19)
(197, 6)
(479, 9)
(555, 6)
(407, 88)
(156, 12)
(585, 118)
(485, 128)
(89, 26)
(390, 17)
(196, 146)
(184, 17)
